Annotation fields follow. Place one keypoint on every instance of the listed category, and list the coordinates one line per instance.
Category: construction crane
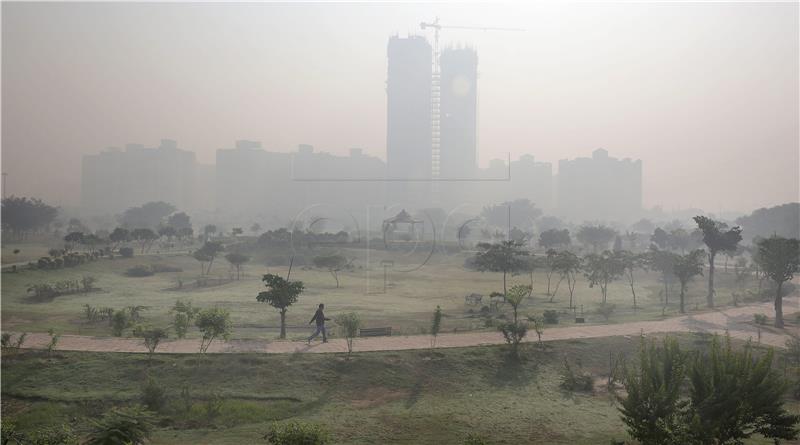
(436, 89)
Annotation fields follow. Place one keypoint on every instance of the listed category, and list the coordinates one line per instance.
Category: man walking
(319, 317)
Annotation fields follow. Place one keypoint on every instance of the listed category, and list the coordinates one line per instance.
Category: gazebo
(390, 225)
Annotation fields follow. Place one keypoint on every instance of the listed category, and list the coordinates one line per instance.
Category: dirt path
(736, 321)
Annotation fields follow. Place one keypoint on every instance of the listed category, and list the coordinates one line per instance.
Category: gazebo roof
(402, 217)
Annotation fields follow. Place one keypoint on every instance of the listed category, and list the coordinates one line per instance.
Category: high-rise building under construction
(408, 129)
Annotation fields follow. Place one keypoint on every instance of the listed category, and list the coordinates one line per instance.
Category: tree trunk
(530, 291)
(683, 294)
(779, 306)
(335, 277)
(505, 292)
(283, 324)
(210, 263)
(633, 291)
(666, 291)
(710, 296)
(555, 291)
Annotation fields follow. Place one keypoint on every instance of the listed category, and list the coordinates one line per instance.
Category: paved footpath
(736, 321)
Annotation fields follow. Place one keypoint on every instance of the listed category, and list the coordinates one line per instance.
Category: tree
(686, 267)
(505, 257)
(567, 264)
(236, 231)
(530, 264)
(660, 238)
(72, 239)
(717, 239)
(551, 266)
(602, 269)
(538, 325)
(151, 336)
(206, 254)
(167, 232)
(119, 235)
(653, 410)
(333, 263)
(349, 324)
(643, 226)
(630, 263)
(179, 221)
(597, 237)
(780, 259)
(522, 211)
(255, 228)
(148, 216)
(184, 315)
(237, 260)
(732, 395)
(22, 216)
(145, 237)
(185, 233)
(514, 297)
(735, 395)
(213, 323)
(436, 325)
(553, 238)
(280, 294)
(127, 425)
(208, 230)
(664, 262)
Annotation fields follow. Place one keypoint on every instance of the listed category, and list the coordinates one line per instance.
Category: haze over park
(388, 223)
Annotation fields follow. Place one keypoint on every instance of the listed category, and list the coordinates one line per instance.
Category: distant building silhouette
(408, 114)
(116, 179)
(599, 188)
(252, 181)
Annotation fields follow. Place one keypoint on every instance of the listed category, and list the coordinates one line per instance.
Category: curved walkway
(736, 321)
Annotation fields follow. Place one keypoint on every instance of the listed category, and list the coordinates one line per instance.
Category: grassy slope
(407, 306)
(413, 397)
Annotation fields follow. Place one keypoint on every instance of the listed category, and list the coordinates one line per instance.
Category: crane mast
(436, 93)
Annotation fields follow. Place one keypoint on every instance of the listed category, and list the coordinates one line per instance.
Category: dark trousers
(320, 328)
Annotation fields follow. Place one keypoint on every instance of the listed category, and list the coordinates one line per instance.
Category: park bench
(375, 332)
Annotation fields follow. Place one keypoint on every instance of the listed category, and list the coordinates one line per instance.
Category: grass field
(412, 293)
(414, 397)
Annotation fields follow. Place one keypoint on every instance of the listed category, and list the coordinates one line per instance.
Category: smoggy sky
(705, 94)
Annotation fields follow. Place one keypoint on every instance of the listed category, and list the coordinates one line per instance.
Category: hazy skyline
(705, 94)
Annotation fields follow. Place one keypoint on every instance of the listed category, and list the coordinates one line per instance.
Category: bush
(141, 270)
(573, 378)
(119, 321)
(760, 319)
(126, 252)
(550, 316)
(154, 396)
(129, 425)
(296, 433)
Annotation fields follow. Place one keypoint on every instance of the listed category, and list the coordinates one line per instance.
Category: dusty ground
(738, 322)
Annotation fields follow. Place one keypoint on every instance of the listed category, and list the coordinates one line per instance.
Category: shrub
(349, 325)
(87, 283)
(154, 396)
(53, 341)
(606, 309)
(296, 433)
(119, 321)
(760, 319)
(574, 378)
(129, 425)
(550, 316)
(126, 252)
(141, 270)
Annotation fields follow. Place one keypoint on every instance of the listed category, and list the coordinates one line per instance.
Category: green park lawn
(411, 397)
(413, 292)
